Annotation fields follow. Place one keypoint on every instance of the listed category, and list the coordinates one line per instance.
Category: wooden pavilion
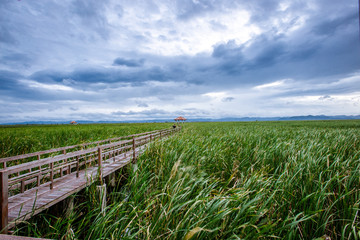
(180, 119)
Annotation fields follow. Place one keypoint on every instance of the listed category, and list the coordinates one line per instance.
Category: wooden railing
(19, 178)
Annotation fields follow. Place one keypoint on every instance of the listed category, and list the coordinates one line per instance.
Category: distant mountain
(230, 119)
(292, 118)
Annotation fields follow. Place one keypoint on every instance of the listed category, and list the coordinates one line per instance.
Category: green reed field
(20, 139)
(233, 180)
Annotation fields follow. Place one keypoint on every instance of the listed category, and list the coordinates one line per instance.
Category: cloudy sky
(143, 59)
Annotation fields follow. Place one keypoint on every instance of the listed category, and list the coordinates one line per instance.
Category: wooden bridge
(48, 177)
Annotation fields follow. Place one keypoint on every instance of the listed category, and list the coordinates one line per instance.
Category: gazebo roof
(180, 119)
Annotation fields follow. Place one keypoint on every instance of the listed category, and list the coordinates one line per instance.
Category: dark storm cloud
(313, 55)
(103, 75)
(129, 62)
(8, 80)
(329, 27)
(12, 88)
(49, 76)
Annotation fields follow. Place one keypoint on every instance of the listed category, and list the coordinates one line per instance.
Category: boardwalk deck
(80, 168)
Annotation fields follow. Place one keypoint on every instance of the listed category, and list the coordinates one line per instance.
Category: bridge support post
(4, 203)
(101, 192)
(111, 180)
(69, 205)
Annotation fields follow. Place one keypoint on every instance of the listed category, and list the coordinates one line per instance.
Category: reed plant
(259, 180)
(22, 139)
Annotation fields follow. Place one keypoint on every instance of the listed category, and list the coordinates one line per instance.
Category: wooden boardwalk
(31, 187)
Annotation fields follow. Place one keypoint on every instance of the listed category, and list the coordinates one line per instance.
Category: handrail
(39, 153)
(57, 158)
(47, 170)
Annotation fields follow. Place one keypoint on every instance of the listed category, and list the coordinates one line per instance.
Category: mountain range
(228, 119)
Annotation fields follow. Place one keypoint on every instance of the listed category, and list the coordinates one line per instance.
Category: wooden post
(134, 153)
(150, 137)
(116, 152)
(101, 191)
(68, 205)
(4, 202)
(69, 169)
(38, 179)
(22, 186)
(52, 175)
(4, 165)
(39, 174)
(77, 166)
(100, 165)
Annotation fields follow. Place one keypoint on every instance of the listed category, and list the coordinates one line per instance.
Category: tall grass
(287, 180)
(21, 139)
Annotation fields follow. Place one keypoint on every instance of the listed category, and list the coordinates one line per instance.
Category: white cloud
(51, 87)
(275, 84)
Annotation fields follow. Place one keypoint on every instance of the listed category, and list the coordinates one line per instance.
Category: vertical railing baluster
(69, 168)
(100, 165)
(38, 179)
(77, 166)
(52, 175)
(22, 186)
(39, 175)
(133, 146)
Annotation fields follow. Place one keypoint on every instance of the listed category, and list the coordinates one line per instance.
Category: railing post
(69, 169)
(22, 186)
(66, 161)
(134, 153)
(52, 175)
(77, 166)
(38, 178)
(100, 165)
(4, 202)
